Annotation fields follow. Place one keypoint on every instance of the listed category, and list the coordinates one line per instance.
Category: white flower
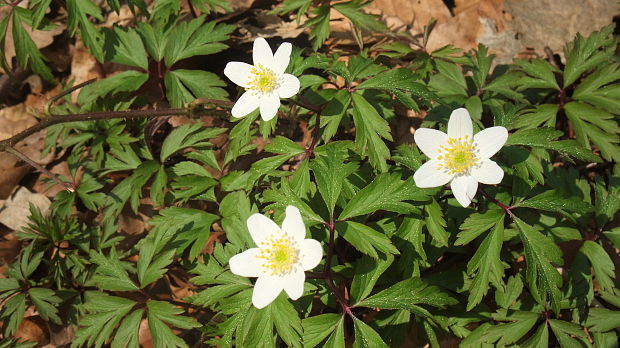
(459, 157)
(282, 256)
(265, 82)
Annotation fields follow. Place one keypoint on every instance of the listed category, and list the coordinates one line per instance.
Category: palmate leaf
(583, 54)
(330, 171)
(595, 125)
(385, 192)
(187, 135)
(188, 39)
(370, 129)
(104, 313)
(366, 239)
(409, 294)
(317, 328)
(126, 81)
(602, 264)
(45, 301)
(366, 337)
(26, 51)
(488, 264)
(367, 272)
(161, 313)
(79, 10)
(110, 273)
(542, 277)
(124, 46)
(184, 86)
(519, 324)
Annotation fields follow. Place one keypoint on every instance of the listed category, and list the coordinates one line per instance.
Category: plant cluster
(525, 257)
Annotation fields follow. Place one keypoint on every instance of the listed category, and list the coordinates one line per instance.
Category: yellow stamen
(458, 156)
(280, 253)
(262, 80)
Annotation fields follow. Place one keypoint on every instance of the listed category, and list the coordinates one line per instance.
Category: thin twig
(40, 168)
(47, 109)
(327, 270)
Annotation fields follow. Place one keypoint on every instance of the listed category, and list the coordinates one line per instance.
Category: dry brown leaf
(414, 12)
(33, 329)
(84, 66)
(16, 208)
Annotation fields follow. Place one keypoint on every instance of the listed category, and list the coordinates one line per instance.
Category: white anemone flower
(458, 157)
(265, 82)
(282, 256)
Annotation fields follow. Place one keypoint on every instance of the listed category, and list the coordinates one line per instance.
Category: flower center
(458, 156)
(263, 79)
(280, 253)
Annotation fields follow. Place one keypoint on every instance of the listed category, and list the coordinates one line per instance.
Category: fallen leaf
(16, 208)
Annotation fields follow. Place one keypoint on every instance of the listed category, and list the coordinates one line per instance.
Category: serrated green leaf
(602, 319)
(367, 272)
(126, 81)
(124, 46)
(365, 336)
(330, 171)
(184, 86)
(602, 264)
(111, 275)
(542, 277)
(26, 51)
(317, 328)
(407, 294)
(553, 200)
(435, 223)
(385, 192)
(477, 223)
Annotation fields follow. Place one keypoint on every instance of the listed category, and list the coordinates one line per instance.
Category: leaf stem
(69, 187)
(507, 209)
(327, 270)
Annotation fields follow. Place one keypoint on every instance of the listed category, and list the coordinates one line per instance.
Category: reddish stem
(327, 270)
(506, 208)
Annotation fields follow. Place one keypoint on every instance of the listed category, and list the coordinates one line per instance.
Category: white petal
(464, 189)
(490, 140)
(459, 124)
(311, 254)
(247, 103)
(282, 57)
(289, 86)
(239, 73)
(261, 227)
(269, 105)
(428, 175)
(293, 224)
(266, 290)
(262, 53)
(294, 285)
(488, 172)
(246, 264)
(429, 140)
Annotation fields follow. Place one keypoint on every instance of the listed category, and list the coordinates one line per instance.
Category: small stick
(69, 187)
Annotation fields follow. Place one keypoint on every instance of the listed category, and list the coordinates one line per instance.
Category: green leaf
(320, 24)
(407, 294)
(543, 114)
(602, 319)
(12, 313)
(126, 81)
(287, 321)
(110, 274)
(46, 301)
(26, 51)
(352, 10)
(601, 262)
(187, 135)
(158, 187)
(365, 336)
(124, 46)
(286, 196)
(184, 86)
(538, 137)
(367, 272)
(477, 223)
(599, 88)
(317, 328)
(488, 264)
(553, 200)
(365, 239)
(79, 10)
(127, 334)
(540, 339)
(160, 313)
(385, 192)
(565, 331)
(129, 189)
(150, 266)
(583, 54)
(370, 128)
(541, 73)
(435, 223)
(104, 313)
(193, 38)
(542, 277)
(330, 173)
(596, 125)
(285, 146)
